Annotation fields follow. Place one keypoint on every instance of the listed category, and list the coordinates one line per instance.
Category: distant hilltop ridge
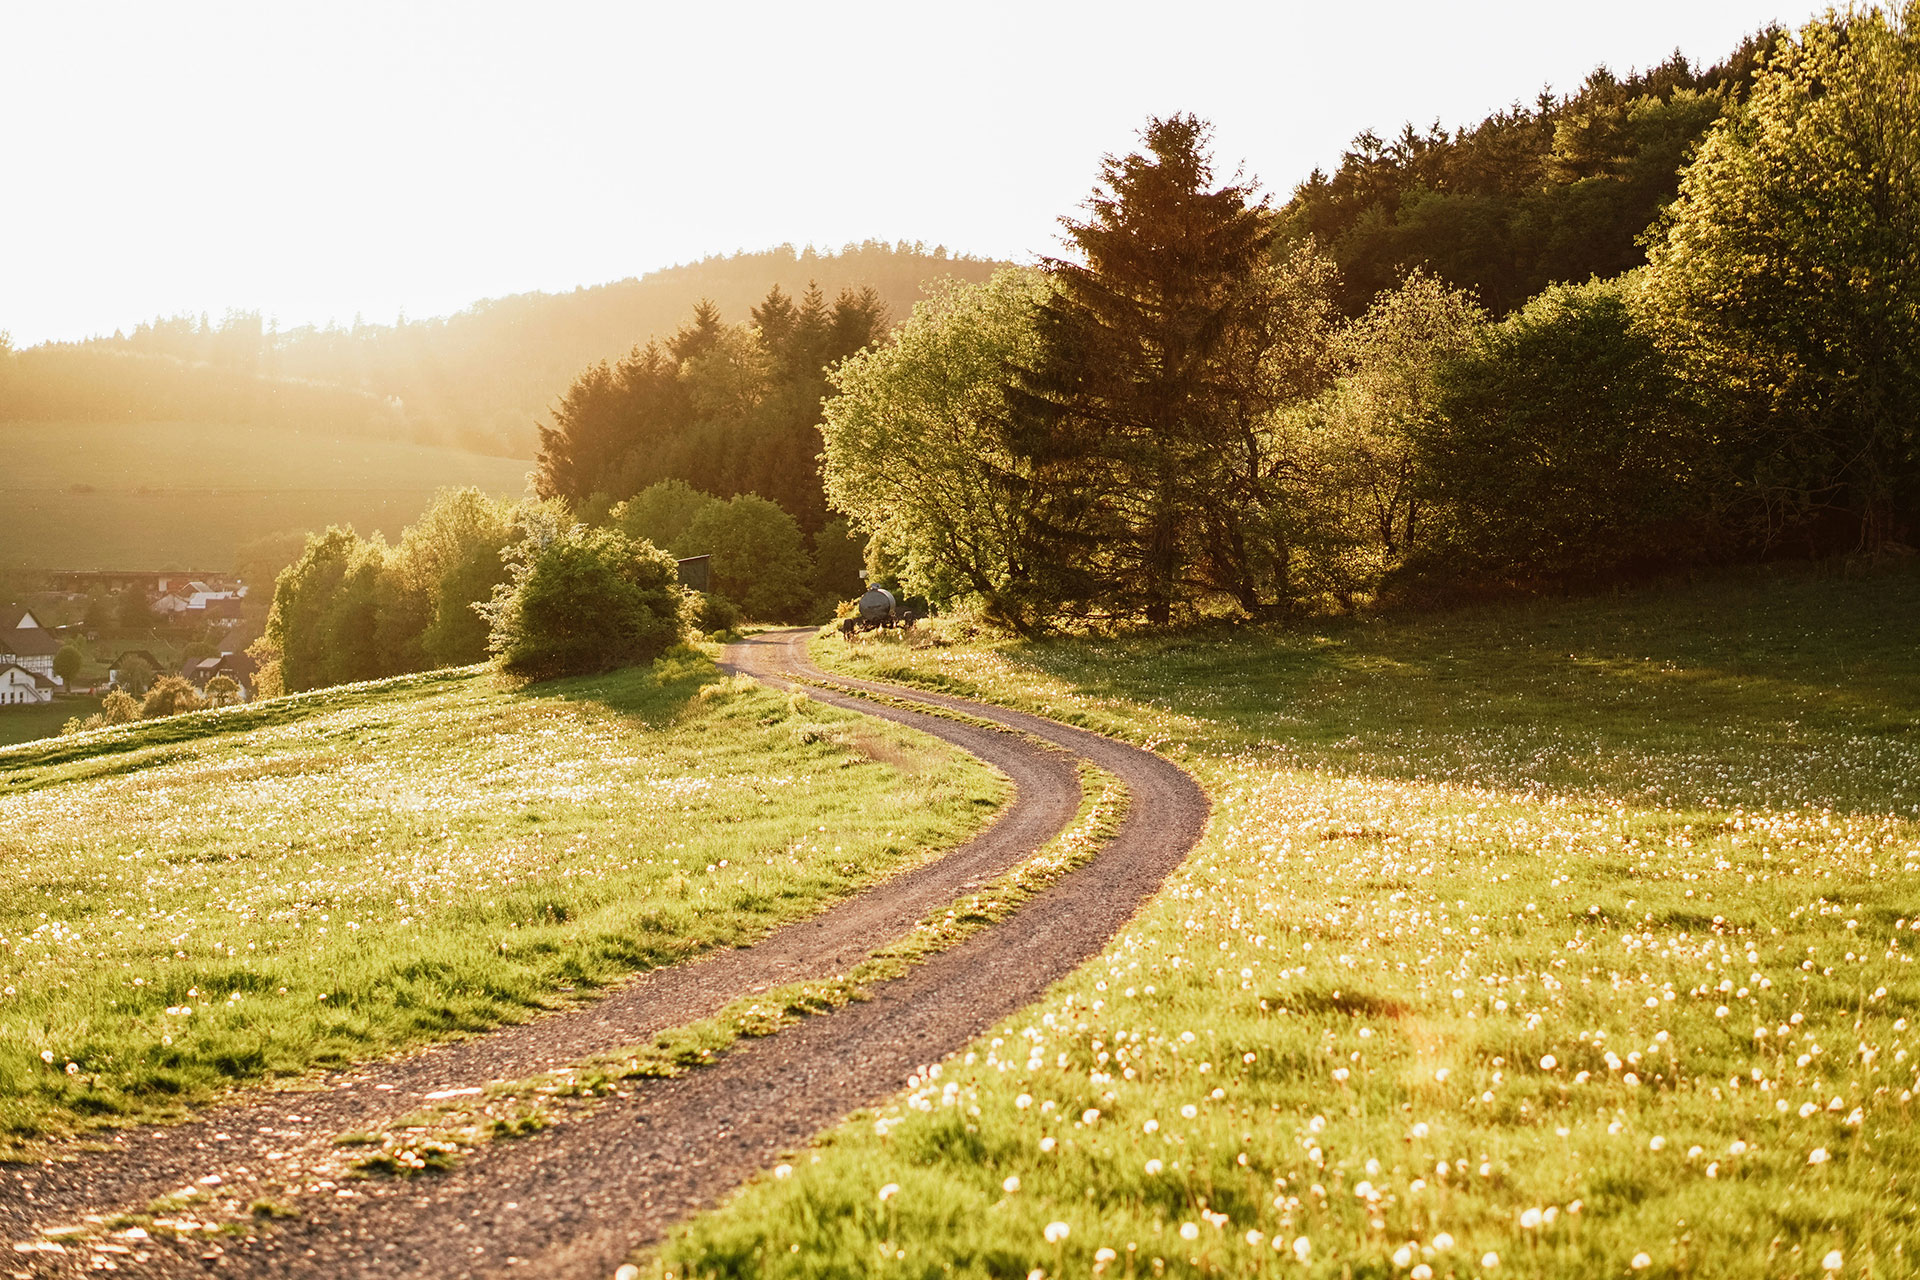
(480, 378)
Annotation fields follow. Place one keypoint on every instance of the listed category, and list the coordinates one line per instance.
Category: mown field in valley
(236, 895)
(185, 495)
(1559, 938)
(42, 720)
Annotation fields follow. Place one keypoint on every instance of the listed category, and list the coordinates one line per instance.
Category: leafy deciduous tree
(759, 559)
(583, 600)
(170, 696)
(1786, 274)
(67, 662)
(1562, 443)
(917, 442)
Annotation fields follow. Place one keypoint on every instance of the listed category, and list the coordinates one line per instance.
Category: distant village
(79, 635)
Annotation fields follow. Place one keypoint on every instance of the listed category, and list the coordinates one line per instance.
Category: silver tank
(876, 603)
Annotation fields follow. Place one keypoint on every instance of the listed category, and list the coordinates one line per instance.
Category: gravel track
(576, 1199)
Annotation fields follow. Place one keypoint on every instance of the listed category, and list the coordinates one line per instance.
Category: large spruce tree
(1145, 464)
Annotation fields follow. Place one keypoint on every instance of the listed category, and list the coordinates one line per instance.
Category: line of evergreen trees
(1553, 193)
(728, 409)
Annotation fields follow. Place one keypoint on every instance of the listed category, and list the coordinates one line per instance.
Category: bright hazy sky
(317, 160)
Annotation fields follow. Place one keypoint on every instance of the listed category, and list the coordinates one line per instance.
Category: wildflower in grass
(889, 1191)
(1189, 1231)
(1012, 1184)
(1302, 1248)
(1530, 1219)
(1833, 1261)
(1443, 1242)
(1403, 1256)
(1641, 1262)
(1817, 1156)
(1104, 1255)
(783, 1171)
(1422, 1272)
(1489, 1259)
(1057, 1231)
(1154, 1166)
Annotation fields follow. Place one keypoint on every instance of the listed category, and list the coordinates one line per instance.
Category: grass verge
(1568, 939)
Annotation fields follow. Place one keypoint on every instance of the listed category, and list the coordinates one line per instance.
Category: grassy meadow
(1557, 938)
(184, 495)
(41, 720)
(228, 896)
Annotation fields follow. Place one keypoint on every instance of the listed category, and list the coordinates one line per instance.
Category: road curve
(577, 1199)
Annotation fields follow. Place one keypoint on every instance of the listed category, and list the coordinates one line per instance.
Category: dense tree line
(353, 608)
(1178, 422)
(1555, 192)
(729, 409)
(532, 584)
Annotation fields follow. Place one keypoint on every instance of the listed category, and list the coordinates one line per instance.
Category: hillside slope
(479, 378)
(159, 495)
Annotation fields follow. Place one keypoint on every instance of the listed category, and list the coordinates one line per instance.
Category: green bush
(660, 513)
(119, 707)
(714, 613)
(1563, 445)
(170, 696)
(584, 600)
(760, 559)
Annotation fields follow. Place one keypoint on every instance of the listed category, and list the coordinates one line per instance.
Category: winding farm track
(576, 1199)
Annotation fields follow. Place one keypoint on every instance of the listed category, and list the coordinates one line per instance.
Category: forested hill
(480, 378)
(1553, 193)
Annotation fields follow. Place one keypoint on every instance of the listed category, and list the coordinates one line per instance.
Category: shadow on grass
(655, 696)
(1795, 658)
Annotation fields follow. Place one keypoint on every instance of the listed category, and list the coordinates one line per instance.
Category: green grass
(185, 495)
(230, 896)
(41, 720)
(1573, 933)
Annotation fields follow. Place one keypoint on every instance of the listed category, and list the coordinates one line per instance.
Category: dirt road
(576, 1199)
